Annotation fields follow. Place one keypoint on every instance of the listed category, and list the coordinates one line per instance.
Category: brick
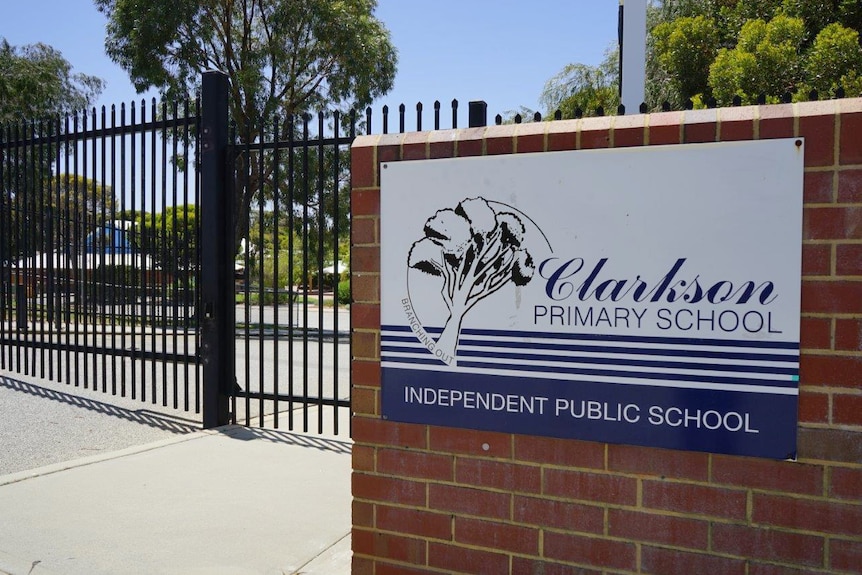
(414, 522)
(595, 133)
(847, 409)
(423, 465)
(365, 316)
(658, 462)
(807, 514)
(530, 137)
(365, 259)
(700, 126)
(499, 146)
(456, 559)
(629, 130)
(846, 484)
(414, 146)
(815, 333)
(845, 555)
(500, 536)
(817, 187)
(675, 531)
(830, 445)
(590, 550)
(674, 562)
(591, 486)
(813, 407)
(816, 259)
(831, 296)
(769, 544)
(387, 489)
(389, 153)
(819, 134)
(469, 501)
(471, 142)
(364, 401)
(362, 514)
(363, 457)
(365, 202)
(365, 287)
(848, 259)
(832, 223)
(848, 334)
(362, 165)
(563, 135)
(559, 514)
(361, 565)
(664, 128)
(385, 545)
(770, 475)
(850, 186)
(524, 566)
(377, 431)
(564, 452)
(366, 345)
(736, 123)
(470, 442)
(697, 499)
(441, 144)
(776, 121)
(850, 152)
(365, 373)
(498, 475)
(831, 370)
(773, 569)
(364, 231)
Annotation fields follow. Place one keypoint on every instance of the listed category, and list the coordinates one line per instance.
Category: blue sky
(500, 51)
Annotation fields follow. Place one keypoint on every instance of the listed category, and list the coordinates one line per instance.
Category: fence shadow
(291, 438)
(142, 416)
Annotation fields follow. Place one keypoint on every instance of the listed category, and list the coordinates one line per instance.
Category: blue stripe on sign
(789, 345)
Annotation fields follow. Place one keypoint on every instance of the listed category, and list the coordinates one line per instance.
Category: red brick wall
(439, 500)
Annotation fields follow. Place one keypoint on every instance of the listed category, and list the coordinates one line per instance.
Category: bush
(344, 291)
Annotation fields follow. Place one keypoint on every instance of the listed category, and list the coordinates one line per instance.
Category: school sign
(647, 296)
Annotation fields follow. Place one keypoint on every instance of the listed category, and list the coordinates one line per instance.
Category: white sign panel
(647, 296)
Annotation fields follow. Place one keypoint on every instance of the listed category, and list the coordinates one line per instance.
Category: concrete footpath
(228, 501)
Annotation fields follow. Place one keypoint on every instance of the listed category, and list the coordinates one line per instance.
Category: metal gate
(99, 252)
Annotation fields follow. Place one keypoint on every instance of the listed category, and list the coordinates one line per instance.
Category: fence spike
(518, 118)
(643, 109)
(600, 111)
(418, 116)
(839, 93)
(665, 106)
(761, 99)
(621, 110)
(812, 95)
(454, 114)
(787, 97)
(737, 100)
(537, 117)
(579, 113)
(711, 102)
(689, 104)
(498, 119)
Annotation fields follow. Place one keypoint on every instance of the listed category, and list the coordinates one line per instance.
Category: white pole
(633, 54)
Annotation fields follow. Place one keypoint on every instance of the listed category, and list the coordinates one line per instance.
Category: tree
(475, 250)
(685, 47)
(282, 56)
(36, 82)
(578, 86)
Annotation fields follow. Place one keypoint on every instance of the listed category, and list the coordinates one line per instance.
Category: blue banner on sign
(731, 422)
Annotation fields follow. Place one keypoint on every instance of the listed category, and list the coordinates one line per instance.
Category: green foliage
(685, 47)
(835, 59)
(37, 82)
(578, 86)
(766, 60)
(281, 56)
(344, 292)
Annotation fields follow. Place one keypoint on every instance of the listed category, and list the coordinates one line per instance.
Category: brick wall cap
(415, 138)
(564, 127)
(390, 140)
(817, 108)
(597, 124)
(707, 116)
(849, 105)
(468, 134)
(629, 121)
(502, 131)
(365, 141)
(739, 113)
(437, 136)
(665, 119)
(531, 128)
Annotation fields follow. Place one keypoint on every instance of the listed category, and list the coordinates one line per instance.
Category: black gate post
(218, 349)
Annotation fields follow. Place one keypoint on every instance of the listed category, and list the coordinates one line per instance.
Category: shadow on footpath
(142, 416)
(288, 437)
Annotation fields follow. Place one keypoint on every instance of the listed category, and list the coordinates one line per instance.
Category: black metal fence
(99, 251)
